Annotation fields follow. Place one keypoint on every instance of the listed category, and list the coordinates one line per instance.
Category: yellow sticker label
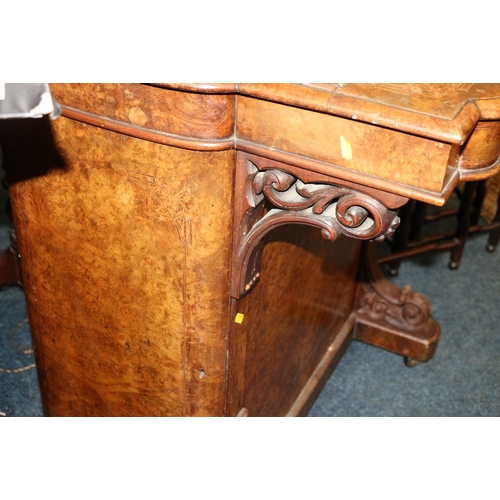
(239, 318)
(345, 148)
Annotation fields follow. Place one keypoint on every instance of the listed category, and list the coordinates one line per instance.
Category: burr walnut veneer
(206, 249)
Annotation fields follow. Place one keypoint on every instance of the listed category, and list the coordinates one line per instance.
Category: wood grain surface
(126, 275)
(305, 296)
(126, 211)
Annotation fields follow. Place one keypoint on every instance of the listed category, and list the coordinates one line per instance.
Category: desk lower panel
(287, 323)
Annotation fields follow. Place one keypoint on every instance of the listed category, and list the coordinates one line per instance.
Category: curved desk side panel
(124, 254)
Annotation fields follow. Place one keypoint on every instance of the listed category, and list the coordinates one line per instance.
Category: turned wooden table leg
(10, 268)
(463, 225)
(395, 319)
(402, 236)
(494, 236)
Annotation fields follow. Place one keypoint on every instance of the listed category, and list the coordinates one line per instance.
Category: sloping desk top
(407, 139)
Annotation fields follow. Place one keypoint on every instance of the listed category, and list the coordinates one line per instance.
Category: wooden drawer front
(356, 146)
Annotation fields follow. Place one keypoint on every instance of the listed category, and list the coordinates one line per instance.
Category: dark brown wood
(10, 267)
(464, 223)
(402, 237)
(141, 230)
(334, 208)
(407, 242)
(291, 320)
(395, 319)
(494, 237)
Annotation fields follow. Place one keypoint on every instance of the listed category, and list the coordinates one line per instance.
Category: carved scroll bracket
(269, 195)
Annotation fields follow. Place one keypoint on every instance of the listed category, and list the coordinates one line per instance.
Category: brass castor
(410, 362)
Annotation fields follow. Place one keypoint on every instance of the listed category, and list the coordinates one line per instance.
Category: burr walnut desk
(206, 249)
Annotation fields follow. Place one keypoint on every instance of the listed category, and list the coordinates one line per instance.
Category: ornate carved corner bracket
(269, 194)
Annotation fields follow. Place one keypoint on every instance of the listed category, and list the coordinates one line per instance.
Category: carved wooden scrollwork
(405, 309)
(347, 211)
(269, 197)
(396, 319)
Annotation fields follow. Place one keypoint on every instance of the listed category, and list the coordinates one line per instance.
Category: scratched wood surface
(125, 268)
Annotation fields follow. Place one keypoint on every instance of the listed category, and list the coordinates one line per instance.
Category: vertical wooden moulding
(207, 303)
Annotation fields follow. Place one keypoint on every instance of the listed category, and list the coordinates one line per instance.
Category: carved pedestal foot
(395, 319)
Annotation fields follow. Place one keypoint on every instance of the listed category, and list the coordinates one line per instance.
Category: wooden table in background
(205, 249)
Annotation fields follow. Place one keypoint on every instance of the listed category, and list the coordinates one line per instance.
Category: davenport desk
(205, 249)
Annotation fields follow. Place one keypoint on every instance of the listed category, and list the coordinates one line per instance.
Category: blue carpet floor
(463, 378)
(19, 391)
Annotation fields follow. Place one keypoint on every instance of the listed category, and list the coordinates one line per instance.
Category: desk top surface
(442, 111)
